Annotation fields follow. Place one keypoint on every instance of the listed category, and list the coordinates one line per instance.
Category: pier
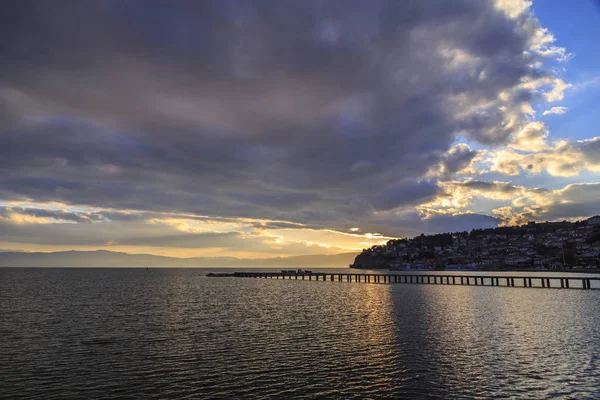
(541, 282)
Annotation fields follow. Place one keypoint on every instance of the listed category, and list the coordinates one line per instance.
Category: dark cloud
(405, 194)
(458, 159)
(462, 222)
(311, 112)
(590, 149)
(490, 187)
(574, 201)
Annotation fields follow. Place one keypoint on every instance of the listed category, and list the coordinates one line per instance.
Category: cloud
(457, 196)
(460, 222)
(516, 204)
(562, 158)
(531, 138)
(556, 110)
(329, 115)
(459, 159)
(170, 233)
(573, 202)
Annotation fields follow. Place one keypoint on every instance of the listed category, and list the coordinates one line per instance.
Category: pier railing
(548, 282)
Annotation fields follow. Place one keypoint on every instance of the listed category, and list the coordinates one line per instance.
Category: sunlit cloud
(556, 110)
(561, 158)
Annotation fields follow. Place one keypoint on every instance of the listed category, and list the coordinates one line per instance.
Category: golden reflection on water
(373, 330)
(376, 318)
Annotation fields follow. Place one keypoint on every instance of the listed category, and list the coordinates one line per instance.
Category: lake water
(173, 333)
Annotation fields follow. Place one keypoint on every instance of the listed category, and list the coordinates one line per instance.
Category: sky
(276, 128)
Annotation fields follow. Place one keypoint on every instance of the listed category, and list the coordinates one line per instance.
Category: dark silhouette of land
(103, 258)
(549, 245)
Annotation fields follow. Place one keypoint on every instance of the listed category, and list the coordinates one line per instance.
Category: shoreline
(572, 270)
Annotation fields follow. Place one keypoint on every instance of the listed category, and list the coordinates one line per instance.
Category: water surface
(173, 333)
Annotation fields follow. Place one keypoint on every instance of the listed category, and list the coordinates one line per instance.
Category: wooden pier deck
(546, 282)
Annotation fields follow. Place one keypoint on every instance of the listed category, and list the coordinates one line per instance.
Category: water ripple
(130, 334)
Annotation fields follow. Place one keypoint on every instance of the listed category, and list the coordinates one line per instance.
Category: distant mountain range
(103, 258)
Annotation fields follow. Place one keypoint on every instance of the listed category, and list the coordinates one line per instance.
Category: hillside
(102, 258)
(549, 245)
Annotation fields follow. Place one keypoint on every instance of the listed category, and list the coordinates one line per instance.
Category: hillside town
(549, 245)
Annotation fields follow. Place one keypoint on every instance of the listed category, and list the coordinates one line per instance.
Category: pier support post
(586, 284)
